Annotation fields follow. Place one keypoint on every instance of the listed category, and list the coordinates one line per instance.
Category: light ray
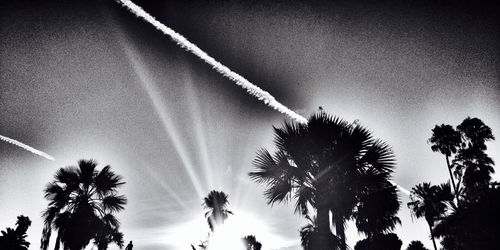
(194, 108)
(402, 189)
(26, 147)
(251, 88)
(162, 112)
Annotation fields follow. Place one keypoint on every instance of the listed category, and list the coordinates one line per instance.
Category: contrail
(402, 189)
(252, 89)
(22, 145)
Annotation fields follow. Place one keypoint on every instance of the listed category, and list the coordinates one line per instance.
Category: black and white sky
(87, 79)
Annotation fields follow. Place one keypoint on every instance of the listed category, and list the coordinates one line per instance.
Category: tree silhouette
(472, 164)
(416, 245)
(474, 225)
(251, 243)
(446, 140)
(81, 200)
(309, 236)
(430, 202)
(380, 242)
(328, 164)
(15, 239)
(216, 202)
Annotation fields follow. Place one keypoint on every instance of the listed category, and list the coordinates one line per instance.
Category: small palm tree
(416, 245)
(16, 239)
(309, 236)
(445, 139)
(430, 202)
(251, 243)
(216, 202)
(79, 199)
(476, 132)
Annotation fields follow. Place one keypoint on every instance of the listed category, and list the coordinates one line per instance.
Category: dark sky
(86, 79)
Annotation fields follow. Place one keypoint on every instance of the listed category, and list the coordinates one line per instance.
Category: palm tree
(216, 202)
(327, 164)
(430, 202)
(445, 139)
(251, 243)
(416, 245)
(16, 239)
(476, 132)
(80, 198)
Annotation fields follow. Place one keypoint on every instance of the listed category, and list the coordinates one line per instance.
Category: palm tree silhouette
(251, 243)
(416, 245)
(309, 236)
(216, 202)
(81, 200)
(430, 202)
(15, 239)
(445, 139)
(476, 132)
(327, 164)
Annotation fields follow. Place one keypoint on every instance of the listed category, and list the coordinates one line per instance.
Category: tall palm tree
(80, 197)
(15, 239)
(216, 202)
(445, 139)
(327, 164)
(430, 202)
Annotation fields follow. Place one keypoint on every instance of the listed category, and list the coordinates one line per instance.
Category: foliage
(332, 166)
(15, 239)
(380, 242)
(82, 201)
(216, 202)
(251, 243)
(416, 245)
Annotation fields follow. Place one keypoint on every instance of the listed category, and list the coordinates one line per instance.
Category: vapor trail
(252, 89)
(26, 147)
(402, 189)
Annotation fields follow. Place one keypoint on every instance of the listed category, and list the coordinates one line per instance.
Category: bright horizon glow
(226, 236)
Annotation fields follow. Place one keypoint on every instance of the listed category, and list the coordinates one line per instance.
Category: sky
(87, 79)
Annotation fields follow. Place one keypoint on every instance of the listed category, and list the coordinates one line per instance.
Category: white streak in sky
(402, 189)
(252, 89)
(26, 147)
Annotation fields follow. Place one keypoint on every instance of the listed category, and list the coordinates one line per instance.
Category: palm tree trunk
(323, 220)
(340, 230)
(451, 178)
(58, 241)
(432, 236)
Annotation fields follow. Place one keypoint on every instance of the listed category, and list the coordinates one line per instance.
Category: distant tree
(309, 236)
(380, 242)
(108, 233)
(445, 139)
(216, 202)
(430, 202)
(81, 200)
(15, 239)
(416, 245)
(473, 226)
(251, 243)
(473, 167)
(327, 164)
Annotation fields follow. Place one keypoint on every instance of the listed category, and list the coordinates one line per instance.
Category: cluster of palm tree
(335, 171)
(15, 239)
(461, 214)
(83, 202)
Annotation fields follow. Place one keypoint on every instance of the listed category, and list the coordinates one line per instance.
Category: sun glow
(227, 236)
